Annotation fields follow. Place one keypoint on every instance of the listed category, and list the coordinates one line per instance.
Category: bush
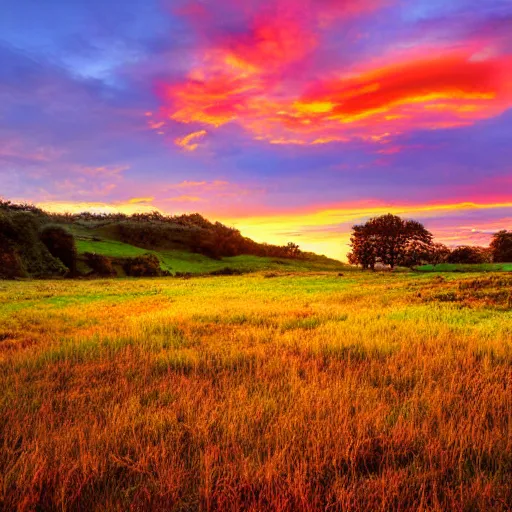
(100, 265)
(184, 275)
(147, 265)
(226, 271)
(61, 244)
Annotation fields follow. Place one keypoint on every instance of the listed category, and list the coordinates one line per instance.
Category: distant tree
(438, 253)
(466, 254)
(60, 244)
(292, 250)
(501, 247)
(416, 253)
(389, 240)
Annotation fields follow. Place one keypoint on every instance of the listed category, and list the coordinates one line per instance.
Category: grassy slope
(181, 261)
(307, 392)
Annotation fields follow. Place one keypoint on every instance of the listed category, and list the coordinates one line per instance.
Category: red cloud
(248, 79)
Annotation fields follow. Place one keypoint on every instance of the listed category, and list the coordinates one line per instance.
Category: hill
(180, 245)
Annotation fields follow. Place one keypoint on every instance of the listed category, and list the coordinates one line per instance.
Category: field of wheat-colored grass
(360, 392)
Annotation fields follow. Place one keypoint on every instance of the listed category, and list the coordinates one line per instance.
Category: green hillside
(186, 262)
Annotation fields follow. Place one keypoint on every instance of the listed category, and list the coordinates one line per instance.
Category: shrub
(184, 275)
(61, 244)
(147, 265)
(226, 271)
(100, 265)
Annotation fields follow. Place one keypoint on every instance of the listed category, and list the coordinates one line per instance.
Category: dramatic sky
(291, 120)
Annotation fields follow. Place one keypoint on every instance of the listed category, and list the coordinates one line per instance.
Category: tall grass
(306, 392)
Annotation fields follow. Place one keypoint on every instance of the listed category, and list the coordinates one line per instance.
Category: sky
(289, 120)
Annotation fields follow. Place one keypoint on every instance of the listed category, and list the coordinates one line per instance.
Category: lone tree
(61, 244)
(390, 240)
(501, 246)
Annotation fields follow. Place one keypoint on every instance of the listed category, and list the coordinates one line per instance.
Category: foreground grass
(305, 392)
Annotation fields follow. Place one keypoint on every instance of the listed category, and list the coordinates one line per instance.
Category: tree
(466, 254)
(60, 244)
(363, 248)
(501, 246)
(438, 253)
(389, 240)
(291, 250)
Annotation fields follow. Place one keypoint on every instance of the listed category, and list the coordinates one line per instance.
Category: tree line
(392, 241)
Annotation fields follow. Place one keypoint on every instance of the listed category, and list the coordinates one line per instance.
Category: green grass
(456, 267)
(182, 261)
(111, 248)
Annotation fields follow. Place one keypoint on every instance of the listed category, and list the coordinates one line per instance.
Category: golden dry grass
(311, 392)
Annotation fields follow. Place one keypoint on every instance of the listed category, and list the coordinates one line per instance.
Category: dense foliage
(469, 254)
(501, 246)
(61, 244)
(22, 253)
(390, 240)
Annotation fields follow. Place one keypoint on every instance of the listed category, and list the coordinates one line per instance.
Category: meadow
(264, 392)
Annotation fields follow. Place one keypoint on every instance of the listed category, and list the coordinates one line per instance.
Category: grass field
(300, 392)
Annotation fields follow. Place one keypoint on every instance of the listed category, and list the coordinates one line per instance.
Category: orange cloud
(140, 200)
(185, 142)
(248, 78)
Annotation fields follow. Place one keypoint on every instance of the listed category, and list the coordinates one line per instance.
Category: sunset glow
(288, 120)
